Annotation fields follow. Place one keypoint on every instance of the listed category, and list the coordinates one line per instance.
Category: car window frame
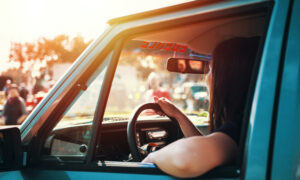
(260, 126)
(135, 31)
(129, 32)
(286, 117)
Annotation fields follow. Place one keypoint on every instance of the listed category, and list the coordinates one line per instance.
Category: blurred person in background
(14, 110)
(38, 85)
(7, 86)
(24, 91)
(155, 89)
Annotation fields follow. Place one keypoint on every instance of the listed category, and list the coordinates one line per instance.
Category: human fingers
(163, 102)
(160, 102)
(166, 106)
(161, 113)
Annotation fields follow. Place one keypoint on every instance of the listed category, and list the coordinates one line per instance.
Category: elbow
(190, 163)
(194, 156)
(185, 167)
(178, 165)
(181, 165)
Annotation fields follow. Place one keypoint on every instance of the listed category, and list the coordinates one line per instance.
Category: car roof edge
(159, 11)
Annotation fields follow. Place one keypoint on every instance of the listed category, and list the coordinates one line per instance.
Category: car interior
(130, 85)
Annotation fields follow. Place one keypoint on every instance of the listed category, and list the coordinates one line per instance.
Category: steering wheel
(131, 128)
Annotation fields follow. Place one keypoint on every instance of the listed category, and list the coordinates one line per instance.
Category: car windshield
(141, 74)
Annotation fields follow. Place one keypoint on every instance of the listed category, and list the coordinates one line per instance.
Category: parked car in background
(198, 94)
(192, 96)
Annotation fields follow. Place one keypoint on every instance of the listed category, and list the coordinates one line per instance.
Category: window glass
(142, 74)
(71, 135)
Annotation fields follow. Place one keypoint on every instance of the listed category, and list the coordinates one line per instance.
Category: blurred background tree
(45, 51)
(61, 49)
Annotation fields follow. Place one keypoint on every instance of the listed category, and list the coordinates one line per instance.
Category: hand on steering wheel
(131, 128)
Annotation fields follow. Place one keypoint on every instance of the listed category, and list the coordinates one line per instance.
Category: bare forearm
(194, 156)
(187, 127)
(169, 159)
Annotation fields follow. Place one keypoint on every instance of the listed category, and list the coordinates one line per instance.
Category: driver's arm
(187, 127)
(191, 157)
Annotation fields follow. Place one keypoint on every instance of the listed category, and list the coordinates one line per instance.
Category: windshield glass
(141, 74)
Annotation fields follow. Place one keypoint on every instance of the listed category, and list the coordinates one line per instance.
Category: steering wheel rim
(131, 128)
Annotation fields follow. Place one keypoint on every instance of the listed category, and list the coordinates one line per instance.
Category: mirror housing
(191, 66)
(11, 155)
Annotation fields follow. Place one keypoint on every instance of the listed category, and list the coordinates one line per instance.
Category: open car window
(141, 73)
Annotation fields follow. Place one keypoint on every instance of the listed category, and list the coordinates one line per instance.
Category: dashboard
(112, 143)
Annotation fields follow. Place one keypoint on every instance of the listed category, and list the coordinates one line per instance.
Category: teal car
(87, 128)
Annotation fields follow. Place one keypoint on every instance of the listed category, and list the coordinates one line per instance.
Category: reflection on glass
(195, 65)
(181, 65)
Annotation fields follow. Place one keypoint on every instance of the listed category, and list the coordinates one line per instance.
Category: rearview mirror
(192, 66)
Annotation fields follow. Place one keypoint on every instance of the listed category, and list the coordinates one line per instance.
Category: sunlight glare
(26, 21)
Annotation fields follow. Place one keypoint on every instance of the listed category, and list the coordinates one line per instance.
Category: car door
(264, 107)
(98, 64)
(285, 157)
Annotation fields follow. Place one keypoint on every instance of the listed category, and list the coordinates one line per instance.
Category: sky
(27, 20)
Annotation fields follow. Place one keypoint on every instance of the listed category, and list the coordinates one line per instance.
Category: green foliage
(203, 114)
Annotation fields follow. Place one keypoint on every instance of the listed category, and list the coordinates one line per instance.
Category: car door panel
(259, 131)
